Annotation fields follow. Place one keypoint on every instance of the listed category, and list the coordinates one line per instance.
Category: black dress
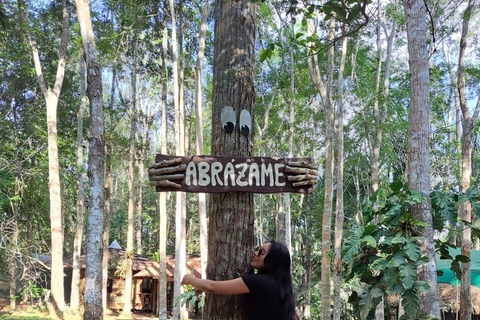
(263, 301)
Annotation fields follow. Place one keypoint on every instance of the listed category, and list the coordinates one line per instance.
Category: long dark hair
(278, 265)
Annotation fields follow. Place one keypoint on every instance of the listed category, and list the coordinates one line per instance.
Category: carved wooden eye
(228, 118)
(245, 122)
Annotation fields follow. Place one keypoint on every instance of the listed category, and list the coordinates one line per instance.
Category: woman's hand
(187, 279)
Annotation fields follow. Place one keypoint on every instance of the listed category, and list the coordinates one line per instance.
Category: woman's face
(259, 256)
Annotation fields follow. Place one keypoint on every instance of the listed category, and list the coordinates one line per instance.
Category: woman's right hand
(186, 279)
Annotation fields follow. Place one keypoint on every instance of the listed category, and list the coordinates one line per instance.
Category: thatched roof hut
(450, 298)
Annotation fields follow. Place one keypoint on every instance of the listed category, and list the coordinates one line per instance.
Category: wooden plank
(211, 174)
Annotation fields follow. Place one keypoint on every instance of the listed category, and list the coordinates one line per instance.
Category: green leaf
(399, 239)
(408, 275)
(379, 264)
(370, 240)
(397, 260)
(390, 276)
(421, 286)
(410, 303)
(352, 244)
(412, 250)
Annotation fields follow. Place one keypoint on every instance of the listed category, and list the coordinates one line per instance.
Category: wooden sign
(211, 174)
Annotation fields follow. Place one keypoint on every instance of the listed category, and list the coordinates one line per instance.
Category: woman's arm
(235, 286)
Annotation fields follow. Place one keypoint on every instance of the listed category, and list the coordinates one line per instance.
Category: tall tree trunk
(56, 217)
(327, 101)
(77, 245)
(291, 131)
(339, 214)
(202, 205)
(132, 110)
(418, 149)
(93, 272)
(468, 126)
(231, 215)
(141, 177)
(180, 219)
(108, 194)
(375, 146)
(12, 258)
(162, 198)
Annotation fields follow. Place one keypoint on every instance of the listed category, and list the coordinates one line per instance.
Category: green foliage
(190, 298)
(383, 256)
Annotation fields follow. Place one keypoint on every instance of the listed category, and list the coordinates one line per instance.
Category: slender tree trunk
(418, 147)
(231, 219)
(77, 246)
(202, 205)
(339, 213)
(127, 295)
(468, 126)
(291, 131)
(56, 217)
(180, 219)
(108, 195)
(12, 258)
(375, 146)
(326, 95)
(162, 198)
(141, 178)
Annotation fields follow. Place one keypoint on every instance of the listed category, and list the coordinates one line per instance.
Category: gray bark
(418, 150)
(95, 224)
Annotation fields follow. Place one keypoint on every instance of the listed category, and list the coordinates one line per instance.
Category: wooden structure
(449, 302)
(145, 280)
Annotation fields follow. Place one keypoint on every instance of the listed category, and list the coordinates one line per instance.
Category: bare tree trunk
(339, 213)
(231, 219)
(291, 130)
(468, 126)
(12, 258)
(93, 272)
(77, 246)
(108, 196)
(418, 147)
(162, 205)
(326, 95)
(141, 174)
(180, 214)
(56, 217)
(202, 205)
(132, 110)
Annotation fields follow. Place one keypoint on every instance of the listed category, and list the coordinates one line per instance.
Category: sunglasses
(261, 252)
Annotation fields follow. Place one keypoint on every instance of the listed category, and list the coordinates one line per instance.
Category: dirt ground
(23, 313)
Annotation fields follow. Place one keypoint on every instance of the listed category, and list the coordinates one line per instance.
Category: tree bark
(231, 216)
(127, 294)
(108, 194)
(202, 205)
(468, 126)
(339, 212)
(51, 98)
(95, 224)
(77, 246)
(325, 92)
(418, 147)
(162, 198)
